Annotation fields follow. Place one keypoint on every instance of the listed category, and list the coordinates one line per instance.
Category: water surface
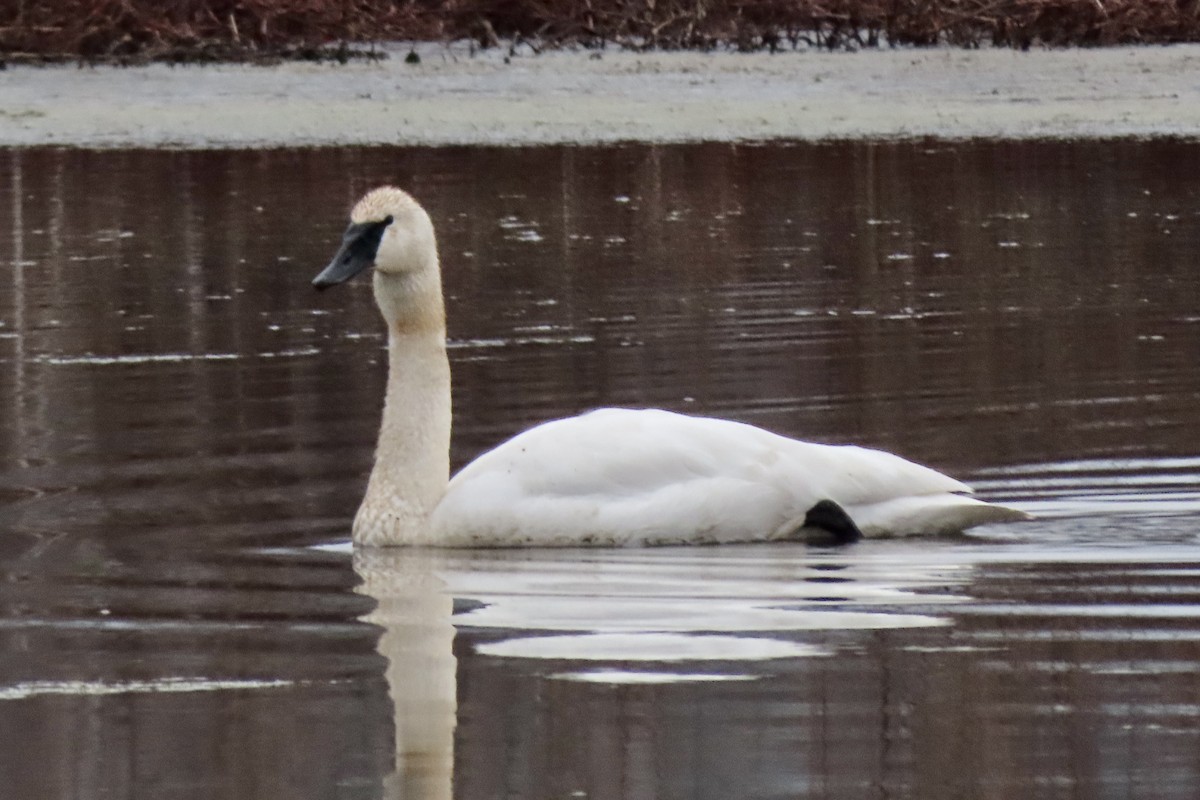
(184, 418)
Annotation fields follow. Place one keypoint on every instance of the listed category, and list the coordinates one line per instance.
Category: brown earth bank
(133, 31)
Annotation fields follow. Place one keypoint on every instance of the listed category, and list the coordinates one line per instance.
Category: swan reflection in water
(674, 615)
(414, 610)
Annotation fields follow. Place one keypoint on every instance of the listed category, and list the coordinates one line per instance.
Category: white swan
(609, 477)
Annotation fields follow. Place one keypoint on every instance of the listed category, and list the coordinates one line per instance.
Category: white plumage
(608, 477)
(621, 476)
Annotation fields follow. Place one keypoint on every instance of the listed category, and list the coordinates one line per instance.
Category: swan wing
(622, 476)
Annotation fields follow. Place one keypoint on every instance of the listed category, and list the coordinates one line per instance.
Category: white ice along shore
(581, 96)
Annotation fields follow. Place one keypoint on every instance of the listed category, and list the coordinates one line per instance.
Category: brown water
(183, 417)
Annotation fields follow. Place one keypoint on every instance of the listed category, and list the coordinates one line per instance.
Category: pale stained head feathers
(390, 231)
(408, 282)
(408, 244)
(381, 202)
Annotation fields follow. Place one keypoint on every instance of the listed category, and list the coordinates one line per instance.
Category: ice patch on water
(611, 613)
(169, 358)
(22, 691)
(636, 678)
(516, 341)
(658, 647)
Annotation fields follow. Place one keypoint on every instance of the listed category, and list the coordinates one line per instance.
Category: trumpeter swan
(609, 477)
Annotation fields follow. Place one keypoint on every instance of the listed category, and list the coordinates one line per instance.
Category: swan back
(621, 476)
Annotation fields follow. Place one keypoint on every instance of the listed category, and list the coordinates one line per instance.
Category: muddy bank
(453, 97)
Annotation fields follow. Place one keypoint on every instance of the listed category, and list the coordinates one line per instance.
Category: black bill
(359, 245)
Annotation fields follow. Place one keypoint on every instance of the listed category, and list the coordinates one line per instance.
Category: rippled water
(184, 419)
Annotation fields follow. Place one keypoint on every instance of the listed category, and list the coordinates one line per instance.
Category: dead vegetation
(834, 24)
(197, 30)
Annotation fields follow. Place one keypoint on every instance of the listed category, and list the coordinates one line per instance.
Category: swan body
(621, 476)
(609, 477)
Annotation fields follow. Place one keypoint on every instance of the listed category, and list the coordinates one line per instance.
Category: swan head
(388, 230)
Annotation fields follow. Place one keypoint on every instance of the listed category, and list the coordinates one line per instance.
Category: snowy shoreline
(583, 97)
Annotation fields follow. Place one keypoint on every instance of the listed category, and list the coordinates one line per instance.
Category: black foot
(833, 519)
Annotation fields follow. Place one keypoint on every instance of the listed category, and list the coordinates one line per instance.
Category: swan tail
(926, 515)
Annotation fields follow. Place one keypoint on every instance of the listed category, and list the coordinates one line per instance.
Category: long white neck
(412, 459)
